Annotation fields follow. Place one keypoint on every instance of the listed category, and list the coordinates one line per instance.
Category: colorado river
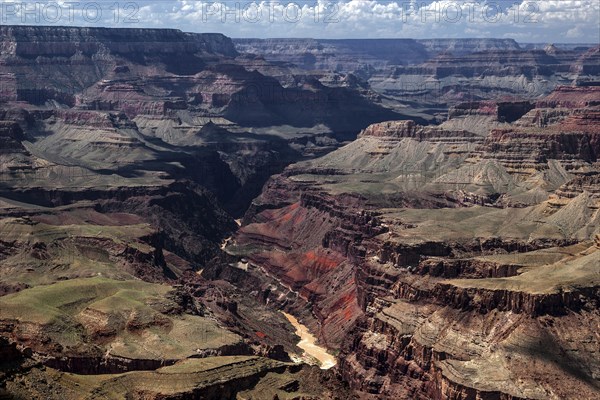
(308, 344)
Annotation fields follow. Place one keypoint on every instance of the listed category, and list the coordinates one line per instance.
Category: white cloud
(575, 33)
(539, 20)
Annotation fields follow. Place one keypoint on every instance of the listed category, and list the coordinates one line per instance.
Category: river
(308, 343)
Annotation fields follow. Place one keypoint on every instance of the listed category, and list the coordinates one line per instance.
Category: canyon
(443, 264)
(182, 215)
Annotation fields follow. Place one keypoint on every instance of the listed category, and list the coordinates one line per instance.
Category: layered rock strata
(468, 270)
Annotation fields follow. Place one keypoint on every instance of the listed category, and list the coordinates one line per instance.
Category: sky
(546, 21)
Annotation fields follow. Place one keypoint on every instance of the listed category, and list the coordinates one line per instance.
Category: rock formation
(437, 70)
(441, 241)
(469, 258)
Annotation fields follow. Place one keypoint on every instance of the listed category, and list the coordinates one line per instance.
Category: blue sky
(524, 20)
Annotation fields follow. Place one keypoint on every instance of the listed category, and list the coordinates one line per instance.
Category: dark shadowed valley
(190, 216)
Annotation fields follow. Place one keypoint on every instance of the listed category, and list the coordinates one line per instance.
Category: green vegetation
(124, 317)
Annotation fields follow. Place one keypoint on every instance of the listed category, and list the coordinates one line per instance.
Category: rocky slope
(443, 264)
(438, 70)
(106, 278)
(131, 99)
(418, 254)
(120, 151)
(352, 55)
(225, 377)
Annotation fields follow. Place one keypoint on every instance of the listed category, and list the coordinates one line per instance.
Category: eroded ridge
(467, 271)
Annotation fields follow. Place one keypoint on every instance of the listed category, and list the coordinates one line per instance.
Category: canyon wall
(465, 285)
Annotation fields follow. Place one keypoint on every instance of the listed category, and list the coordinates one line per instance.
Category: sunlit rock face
(426, 210)
(118, 98)
(468, 256)
(437, 70)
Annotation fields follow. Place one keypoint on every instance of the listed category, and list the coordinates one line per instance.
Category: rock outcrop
(436, 71)
(356, 55)
(466, 276)
(435, 261)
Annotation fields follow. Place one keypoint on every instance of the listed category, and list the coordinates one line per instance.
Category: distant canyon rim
(175, 207)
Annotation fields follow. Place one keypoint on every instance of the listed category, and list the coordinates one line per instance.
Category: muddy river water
(308, 343)
(313, 353)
